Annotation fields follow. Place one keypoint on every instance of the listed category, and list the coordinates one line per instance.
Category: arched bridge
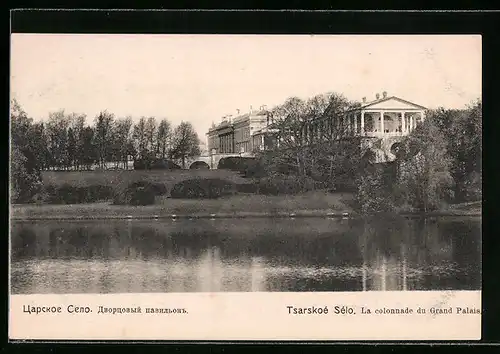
(213, 160)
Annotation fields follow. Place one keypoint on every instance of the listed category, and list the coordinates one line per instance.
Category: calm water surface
(309, 254)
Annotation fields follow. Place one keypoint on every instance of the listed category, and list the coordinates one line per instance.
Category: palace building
(386, 119)
(235, 135)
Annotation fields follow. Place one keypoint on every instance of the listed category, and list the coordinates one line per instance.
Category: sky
(200, 78)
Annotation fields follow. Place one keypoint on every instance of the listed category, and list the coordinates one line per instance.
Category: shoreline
(158, 213)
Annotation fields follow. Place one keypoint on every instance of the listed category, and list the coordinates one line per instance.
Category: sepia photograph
(166, 164)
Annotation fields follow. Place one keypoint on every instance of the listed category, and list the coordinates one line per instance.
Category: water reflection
(246, 255)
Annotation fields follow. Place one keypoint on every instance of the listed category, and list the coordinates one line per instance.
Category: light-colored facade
(244, 129)
(221, 137)
(234, 135)
(386, 119)
(262, 139)
(400, 117)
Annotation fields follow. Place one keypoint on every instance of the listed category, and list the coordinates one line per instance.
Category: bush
(199, 165)
(139, 193)
(159, 188)
(255, 169)
(374, 195)
(202, 188)
(284, 184)
(41, 198)
(238, 164)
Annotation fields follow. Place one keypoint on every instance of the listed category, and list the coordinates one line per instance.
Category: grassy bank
(307, 204)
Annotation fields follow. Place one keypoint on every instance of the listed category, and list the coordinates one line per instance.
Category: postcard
(245, 187)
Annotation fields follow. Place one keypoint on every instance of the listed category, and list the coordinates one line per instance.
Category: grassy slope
(125, 177)
(241, 204)
(238, 204)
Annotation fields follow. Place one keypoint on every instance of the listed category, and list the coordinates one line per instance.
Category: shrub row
(144, 193)
(155, 164)
(203, 188)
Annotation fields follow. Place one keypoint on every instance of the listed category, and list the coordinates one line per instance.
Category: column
(423, 115)
(411, 123)
(356, 123)
(262, 141)
(362, 131)
(382, 121)
(403, 123)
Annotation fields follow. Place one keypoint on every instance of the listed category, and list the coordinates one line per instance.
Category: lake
(243, 255)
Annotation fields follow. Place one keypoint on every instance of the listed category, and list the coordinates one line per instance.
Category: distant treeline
(66, 142)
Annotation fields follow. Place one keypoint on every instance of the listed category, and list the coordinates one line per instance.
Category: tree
(71, 153)
(139, 139)
(374, 193)
(25, 174)
(164, 139)
(77, 124)
(122, 140)
(57, 132)
(309, 136)
(88, 149)
(103, 136)
(17, 172)
(20, 125)
(290, 121)
(185, 142)
(424, 168)
(463, 132)
(150, 132)
(39, 147)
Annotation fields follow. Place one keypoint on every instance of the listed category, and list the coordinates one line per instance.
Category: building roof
(247, 115)
(226, 122)
(386, 99)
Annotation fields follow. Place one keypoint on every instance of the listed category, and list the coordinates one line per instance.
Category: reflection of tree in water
(418, 253)
(23, 240)
(383, 242)
(388, 253)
